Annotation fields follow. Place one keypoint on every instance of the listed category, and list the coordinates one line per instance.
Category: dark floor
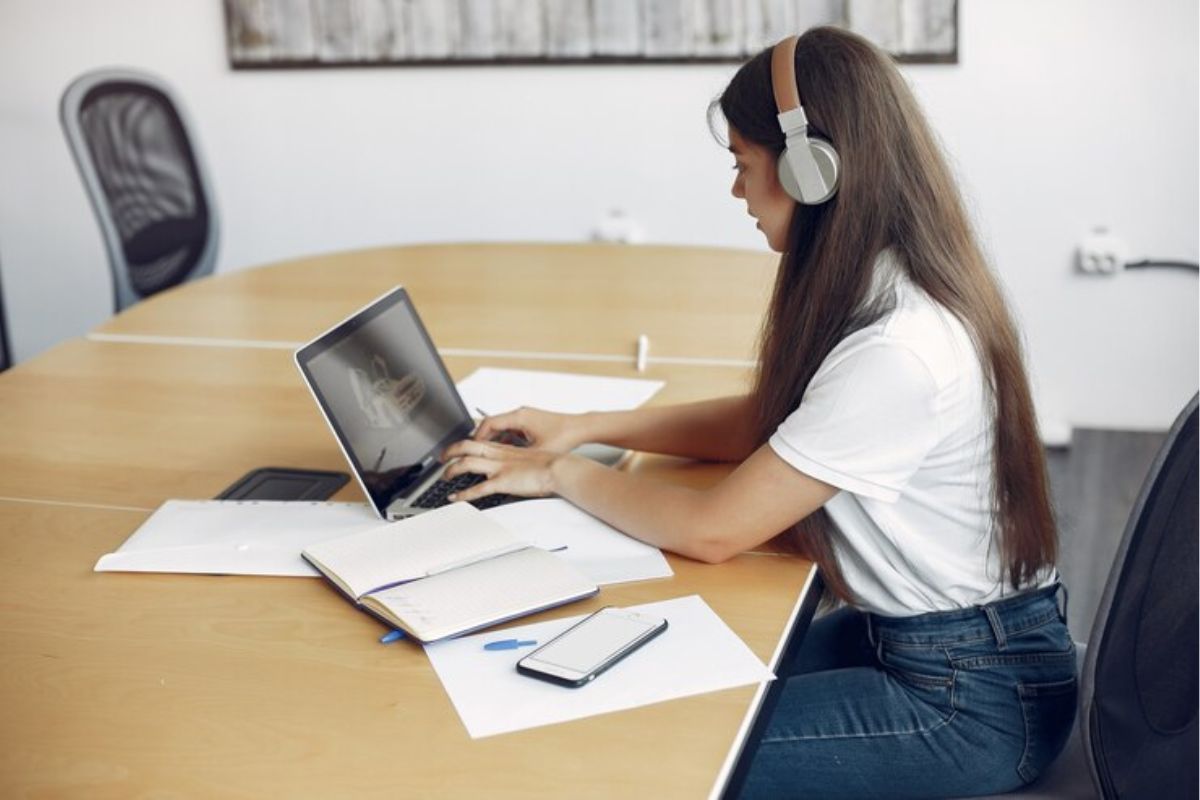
(1095, 483)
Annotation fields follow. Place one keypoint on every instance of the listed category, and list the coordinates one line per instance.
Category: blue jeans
(955, 703)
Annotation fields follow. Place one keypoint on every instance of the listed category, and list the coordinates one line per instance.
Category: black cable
(1146, 263)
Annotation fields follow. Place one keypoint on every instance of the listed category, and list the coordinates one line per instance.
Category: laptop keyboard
(436, 495)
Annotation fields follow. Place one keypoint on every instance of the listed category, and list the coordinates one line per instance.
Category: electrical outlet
(1102, 253)
(617, 227)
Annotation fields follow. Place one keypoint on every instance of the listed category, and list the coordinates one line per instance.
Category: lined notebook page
(483, 594)
(411, 548)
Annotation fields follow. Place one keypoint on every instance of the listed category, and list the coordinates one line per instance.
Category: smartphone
(589, 647)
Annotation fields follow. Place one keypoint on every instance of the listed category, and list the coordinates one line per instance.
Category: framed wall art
(327, 33)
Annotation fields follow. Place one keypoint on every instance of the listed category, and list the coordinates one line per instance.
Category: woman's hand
(543, 430)
(524, 471)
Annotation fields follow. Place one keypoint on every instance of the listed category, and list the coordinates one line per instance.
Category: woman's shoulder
(917, 326)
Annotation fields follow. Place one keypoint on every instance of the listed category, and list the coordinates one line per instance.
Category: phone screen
(589, 645)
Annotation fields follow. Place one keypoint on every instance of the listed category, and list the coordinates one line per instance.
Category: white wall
(1061, 115)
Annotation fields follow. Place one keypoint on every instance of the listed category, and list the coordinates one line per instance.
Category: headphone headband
(783, 75)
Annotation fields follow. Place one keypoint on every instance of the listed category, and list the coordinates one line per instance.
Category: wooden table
(690, 302)
(129, 685)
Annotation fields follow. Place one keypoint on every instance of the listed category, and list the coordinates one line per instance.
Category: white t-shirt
(896, 417)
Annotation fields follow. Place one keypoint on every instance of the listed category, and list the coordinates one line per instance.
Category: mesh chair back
(5, 352)
(1139, 686)
(145, 179)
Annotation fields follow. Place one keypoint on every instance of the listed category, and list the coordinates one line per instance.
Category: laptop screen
(386, 394)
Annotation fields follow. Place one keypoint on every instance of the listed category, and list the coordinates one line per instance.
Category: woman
(890, 435)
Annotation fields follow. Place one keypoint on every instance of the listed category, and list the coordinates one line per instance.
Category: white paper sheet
(239, 537)
(697, 653)
(494, 391)
(598, 550)
(235, 537)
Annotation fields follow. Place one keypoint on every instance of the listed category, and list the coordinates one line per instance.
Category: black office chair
(1139, 687)
(145, 178)
(5, 352)
(1136, 733)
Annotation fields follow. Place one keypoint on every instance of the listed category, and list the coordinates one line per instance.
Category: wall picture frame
(274, 34)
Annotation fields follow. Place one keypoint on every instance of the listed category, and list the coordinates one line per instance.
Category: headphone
(808, 167)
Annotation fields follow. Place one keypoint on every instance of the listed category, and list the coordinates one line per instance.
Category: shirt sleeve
(866, 423)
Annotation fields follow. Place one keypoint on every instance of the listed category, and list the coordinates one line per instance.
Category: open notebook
(446, 572)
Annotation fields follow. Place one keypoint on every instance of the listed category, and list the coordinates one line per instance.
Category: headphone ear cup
(825, 158)
(829, 165)
(787, 177)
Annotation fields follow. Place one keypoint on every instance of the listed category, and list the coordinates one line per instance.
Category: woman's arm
(759, 499)
(711, 430)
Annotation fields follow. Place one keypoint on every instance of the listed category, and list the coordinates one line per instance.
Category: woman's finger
(475, 464)
(482, 489)
(470, 447)
(490, 427)
(485, 431)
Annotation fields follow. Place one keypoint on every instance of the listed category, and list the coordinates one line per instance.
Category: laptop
(389, 400)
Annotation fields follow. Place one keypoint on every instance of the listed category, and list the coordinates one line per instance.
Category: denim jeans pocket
(923, 666)
(927, 677)
(1049, 712)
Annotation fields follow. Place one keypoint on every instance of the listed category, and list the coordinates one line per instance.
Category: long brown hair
(896, 192)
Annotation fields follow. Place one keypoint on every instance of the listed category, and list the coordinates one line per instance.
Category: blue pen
(391, 636)
(509, 644)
